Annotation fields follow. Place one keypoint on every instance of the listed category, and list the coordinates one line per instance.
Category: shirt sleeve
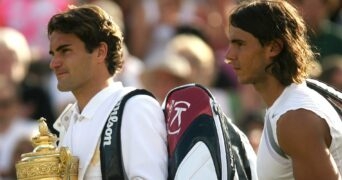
(143, 136)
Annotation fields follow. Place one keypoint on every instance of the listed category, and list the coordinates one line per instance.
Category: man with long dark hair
(302, 137)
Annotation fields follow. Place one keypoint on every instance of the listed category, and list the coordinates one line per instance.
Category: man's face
(246, 55)
(71, 63)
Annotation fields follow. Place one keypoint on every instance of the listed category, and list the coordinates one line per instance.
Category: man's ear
(101, 52)
(276, 46)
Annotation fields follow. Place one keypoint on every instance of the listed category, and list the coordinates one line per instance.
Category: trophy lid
(44, 143)
(46, 161)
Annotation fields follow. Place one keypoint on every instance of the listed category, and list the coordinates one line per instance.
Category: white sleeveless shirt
(272, 162)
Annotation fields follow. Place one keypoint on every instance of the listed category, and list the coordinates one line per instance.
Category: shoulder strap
(241, 167)
(333, 96)
(110, 147)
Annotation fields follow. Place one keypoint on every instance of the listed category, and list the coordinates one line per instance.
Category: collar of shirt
(95, 102)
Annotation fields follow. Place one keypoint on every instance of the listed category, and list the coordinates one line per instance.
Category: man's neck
(269, 90)
(84, 95)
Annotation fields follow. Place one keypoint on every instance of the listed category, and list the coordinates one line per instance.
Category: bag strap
(333, 96)
(110, 146)
(241, 167)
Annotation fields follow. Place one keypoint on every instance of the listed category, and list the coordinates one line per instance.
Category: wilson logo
(113, 118)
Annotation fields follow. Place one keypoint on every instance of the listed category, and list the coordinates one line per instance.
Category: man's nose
(229, 56)
(55, 62)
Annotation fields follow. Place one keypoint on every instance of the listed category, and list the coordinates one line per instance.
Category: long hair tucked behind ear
(270, 20)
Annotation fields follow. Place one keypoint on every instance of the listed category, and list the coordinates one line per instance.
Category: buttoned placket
(76, 118)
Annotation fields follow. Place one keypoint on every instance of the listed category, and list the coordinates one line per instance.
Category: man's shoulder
(138, 96)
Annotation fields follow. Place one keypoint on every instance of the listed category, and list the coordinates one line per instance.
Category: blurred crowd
(167, 43)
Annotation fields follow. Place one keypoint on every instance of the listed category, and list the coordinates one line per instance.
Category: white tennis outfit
(272, 163)
(143, 134)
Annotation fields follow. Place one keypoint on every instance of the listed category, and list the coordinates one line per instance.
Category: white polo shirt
(143, 134)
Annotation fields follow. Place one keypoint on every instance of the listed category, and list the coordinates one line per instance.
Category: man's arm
(305, 137)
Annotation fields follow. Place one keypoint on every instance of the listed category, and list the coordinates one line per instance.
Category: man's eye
(63, 51)
(238, 43)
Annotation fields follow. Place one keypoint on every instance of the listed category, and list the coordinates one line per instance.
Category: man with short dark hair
(86, 48)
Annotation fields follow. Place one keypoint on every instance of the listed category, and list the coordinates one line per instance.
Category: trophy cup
(46, 161)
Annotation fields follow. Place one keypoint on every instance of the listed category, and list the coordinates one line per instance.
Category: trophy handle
(66, 159)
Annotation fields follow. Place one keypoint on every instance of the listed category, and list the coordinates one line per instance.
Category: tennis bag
(203, 142)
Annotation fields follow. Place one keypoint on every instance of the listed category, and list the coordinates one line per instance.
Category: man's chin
(242, 81)
(62, 88)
